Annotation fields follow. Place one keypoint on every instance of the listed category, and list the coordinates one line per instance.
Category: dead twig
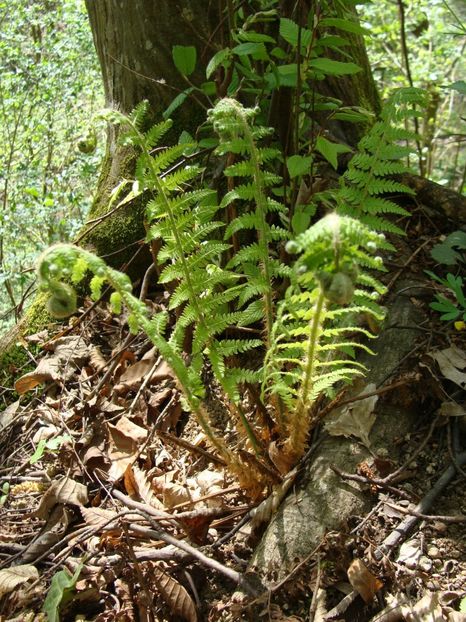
(245, 583)
(404, 528)
(459, 518)
(393, 476)
(371, 481)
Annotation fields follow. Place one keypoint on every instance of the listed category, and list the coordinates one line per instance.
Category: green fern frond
(381, 154)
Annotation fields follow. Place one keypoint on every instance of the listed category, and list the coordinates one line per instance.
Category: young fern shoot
(318, 312)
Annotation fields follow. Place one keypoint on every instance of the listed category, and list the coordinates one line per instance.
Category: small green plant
(451, 252)
(382, 153)
(215, 289)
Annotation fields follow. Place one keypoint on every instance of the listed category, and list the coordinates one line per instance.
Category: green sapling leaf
(334, 67)
(184, 57)
(298, 165)
(61, 590)
(330, 150)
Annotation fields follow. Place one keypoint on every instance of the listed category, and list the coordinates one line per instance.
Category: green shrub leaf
(184, 57)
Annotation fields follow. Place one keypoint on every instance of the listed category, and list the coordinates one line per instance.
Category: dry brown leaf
(281, 459)
(64, 490)
(98, 517)
(174, 594)
(96, 359)
(355, 419)
(452, 364)
(53, 531)
(133, 376)
(363, 581)
(143, 487)
(95, 459)
(69, 354)
(425, 610)
(10, 578)
(7, 415)
(174, 494)
(123, 450)
(451, 409)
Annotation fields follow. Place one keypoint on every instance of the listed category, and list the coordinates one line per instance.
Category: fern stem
(316, 323)
(160, 189)
(261, 204)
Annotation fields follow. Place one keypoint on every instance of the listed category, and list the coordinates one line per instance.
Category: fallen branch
(403, 529)
(460, 518)
(156, 534)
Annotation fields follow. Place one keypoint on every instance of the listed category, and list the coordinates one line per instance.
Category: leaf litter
(133, 509)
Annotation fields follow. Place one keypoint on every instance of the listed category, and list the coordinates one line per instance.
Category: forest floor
(114, 508)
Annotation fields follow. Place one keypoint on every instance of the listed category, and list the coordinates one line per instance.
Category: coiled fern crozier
(307, 334)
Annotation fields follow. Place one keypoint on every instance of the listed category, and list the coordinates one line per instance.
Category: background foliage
(50, 86)
(435, 35)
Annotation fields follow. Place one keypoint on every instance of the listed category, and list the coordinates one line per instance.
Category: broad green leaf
(459, 85)
(257, 37)
(39, 452)
(55, 443)
(300, 222)
(60, 590)
(217, 59)
(209, 88)
(330, 150)
(287, 75)
(257, 50)
(445, 254)
(184, 57)
(334, 67)
(176, 103)
(289, 30)
(457, 238)
(343, 24)
(298, 165)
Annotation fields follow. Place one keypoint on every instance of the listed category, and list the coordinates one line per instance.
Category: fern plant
(308, 335)
(255, 261)
(316, 323)
(382, 153)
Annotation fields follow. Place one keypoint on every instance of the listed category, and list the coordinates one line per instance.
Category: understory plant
(224, 261)
(451, 253)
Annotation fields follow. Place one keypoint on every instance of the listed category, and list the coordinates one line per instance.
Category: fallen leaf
(52, 532)
(410, 553)
(96, 359)
(7, 415)
(70, 353)
(174, 594)
(133, 376)
(451, 409)
(452, 363)
(63, 491)
(125, 437)
(174, 494)
(10, 578)
(142, 487)
(355, 419)
(363, 581)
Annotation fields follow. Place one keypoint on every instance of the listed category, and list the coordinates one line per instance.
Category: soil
(104, 475)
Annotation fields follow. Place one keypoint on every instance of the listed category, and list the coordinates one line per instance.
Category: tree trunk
(134, 40)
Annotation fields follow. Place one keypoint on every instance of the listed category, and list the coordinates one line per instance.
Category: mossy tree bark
(134, 40)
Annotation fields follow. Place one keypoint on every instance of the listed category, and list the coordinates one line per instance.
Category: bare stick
(403, 529)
